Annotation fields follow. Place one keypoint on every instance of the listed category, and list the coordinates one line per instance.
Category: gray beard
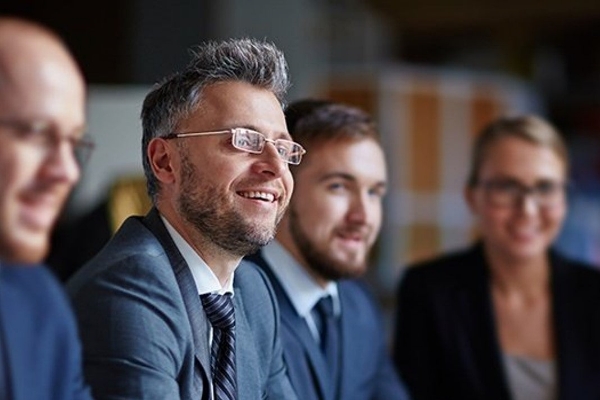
(208, 213)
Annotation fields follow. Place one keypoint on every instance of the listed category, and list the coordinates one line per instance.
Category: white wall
(114, 124)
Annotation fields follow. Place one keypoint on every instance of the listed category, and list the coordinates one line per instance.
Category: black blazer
(445, 343)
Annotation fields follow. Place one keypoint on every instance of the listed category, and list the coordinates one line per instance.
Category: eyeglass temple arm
(175, 135)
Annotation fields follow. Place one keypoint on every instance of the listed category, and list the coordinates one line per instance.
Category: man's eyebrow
(281, 135)
(338, 175)
(381, 185)
(80, 131)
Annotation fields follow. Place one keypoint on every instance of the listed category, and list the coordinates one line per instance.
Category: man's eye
(34, 133)
(336, 186)
(243, 141)
(377, 192)
(546, 188)
(282, 150)
(506, 187)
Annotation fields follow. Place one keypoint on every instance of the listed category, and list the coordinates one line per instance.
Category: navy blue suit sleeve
(67, 342)
(41, 336)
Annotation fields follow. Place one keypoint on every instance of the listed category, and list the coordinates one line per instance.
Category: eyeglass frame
(234, 132)
(560, 190)
(31, 132)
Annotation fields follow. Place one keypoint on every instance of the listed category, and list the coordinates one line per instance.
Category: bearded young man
(332, 333)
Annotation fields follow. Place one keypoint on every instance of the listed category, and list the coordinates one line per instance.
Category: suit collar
(571, 308)
(295, 279)
(295, 325)
(204, 278)
(245, 356)
(188, 289)
(476, 327)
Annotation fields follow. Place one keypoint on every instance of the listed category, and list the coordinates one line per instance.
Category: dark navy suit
(41, 353)
(366, 368)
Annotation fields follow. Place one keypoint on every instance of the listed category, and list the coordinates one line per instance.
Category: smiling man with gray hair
(166, 310)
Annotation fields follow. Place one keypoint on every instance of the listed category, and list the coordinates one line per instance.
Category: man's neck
(220, 261)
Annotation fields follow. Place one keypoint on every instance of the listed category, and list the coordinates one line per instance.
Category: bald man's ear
(163, 159)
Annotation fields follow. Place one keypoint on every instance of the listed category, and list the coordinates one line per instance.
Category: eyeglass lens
(254, 142)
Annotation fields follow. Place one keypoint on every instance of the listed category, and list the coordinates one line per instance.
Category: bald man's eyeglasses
(45, 137)
(254, 142)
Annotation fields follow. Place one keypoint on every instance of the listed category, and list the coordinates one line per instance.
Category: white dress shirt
(304, 292)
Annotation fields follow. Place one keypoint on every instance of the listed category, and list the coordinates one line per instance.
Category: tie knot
(325, 306)
(219, 310)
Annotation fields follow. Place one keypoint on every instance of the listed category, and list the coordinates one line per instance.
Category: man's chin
(29, 251)
(336, 269)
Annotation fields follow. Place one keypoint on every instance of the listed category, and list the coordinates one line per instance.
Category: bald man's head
(42, 116)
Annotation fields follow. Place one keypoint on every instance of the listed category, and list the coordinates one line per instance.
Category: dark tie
(3, 377)
(330, 333)
(220, 313)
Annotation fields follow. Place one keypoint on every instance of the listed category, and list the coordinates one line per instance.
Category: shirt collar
(205, 279)
(302, 290)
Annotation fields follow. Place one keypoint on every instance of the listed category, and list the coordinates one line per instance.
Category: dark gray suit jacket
(367, 372)
(144, 330)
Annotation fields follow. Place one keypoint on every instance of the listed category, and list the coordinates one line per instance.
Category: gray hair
(258, 63)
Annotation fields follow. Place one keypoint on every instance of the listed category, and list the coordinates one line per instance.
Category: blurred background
(432, 72)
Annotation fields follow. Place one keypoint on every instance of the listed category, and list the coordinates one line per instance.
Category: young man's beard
(319, 261)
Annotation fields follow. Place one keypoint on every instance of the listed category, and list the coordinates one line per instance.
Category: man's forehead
(218, 111)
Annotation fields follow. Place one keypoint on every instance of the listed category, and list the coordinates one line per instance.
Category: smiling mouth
(256, 195)
(353, 236)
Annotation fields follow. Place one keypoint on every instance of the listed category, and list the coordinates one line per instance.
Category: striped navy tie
(220, 313)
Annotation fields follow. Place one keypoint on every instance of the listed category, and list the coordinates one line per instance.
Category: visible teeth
(259, 195)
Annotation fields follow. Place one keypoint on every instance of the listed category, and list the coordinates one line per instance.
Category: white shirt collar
(205, 279)
(300, 287)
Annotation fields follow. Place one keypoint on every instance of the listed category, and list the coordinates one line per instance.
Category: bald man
(42, 120)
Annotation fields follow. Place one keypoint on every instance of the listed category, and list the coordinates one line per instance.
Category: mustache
(362, 232)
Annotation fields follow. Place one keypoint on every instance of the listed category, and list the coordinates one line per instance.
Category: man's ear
(163, 160)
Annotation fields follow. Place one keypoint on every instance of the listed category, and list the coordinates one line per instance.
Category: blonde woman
(508, 318)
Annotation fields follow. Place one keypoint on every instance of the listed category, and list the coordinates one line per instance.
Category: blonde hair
(530, 128)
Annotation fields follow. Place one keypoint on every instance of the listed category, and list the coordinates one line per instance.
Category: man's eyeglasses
(253, 142)
(44, 136)
(508, 192)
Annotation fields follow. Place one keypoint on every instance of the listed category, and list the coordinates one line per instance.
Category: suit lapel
(185, 280)
(247, 370)
(567, 344)
(348, 364)
(476, 334)
(576, 330)
(296, 327)
(11, 341)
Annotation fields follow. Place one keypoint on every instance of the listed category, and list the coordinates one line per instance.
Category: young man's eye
(335, 186)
